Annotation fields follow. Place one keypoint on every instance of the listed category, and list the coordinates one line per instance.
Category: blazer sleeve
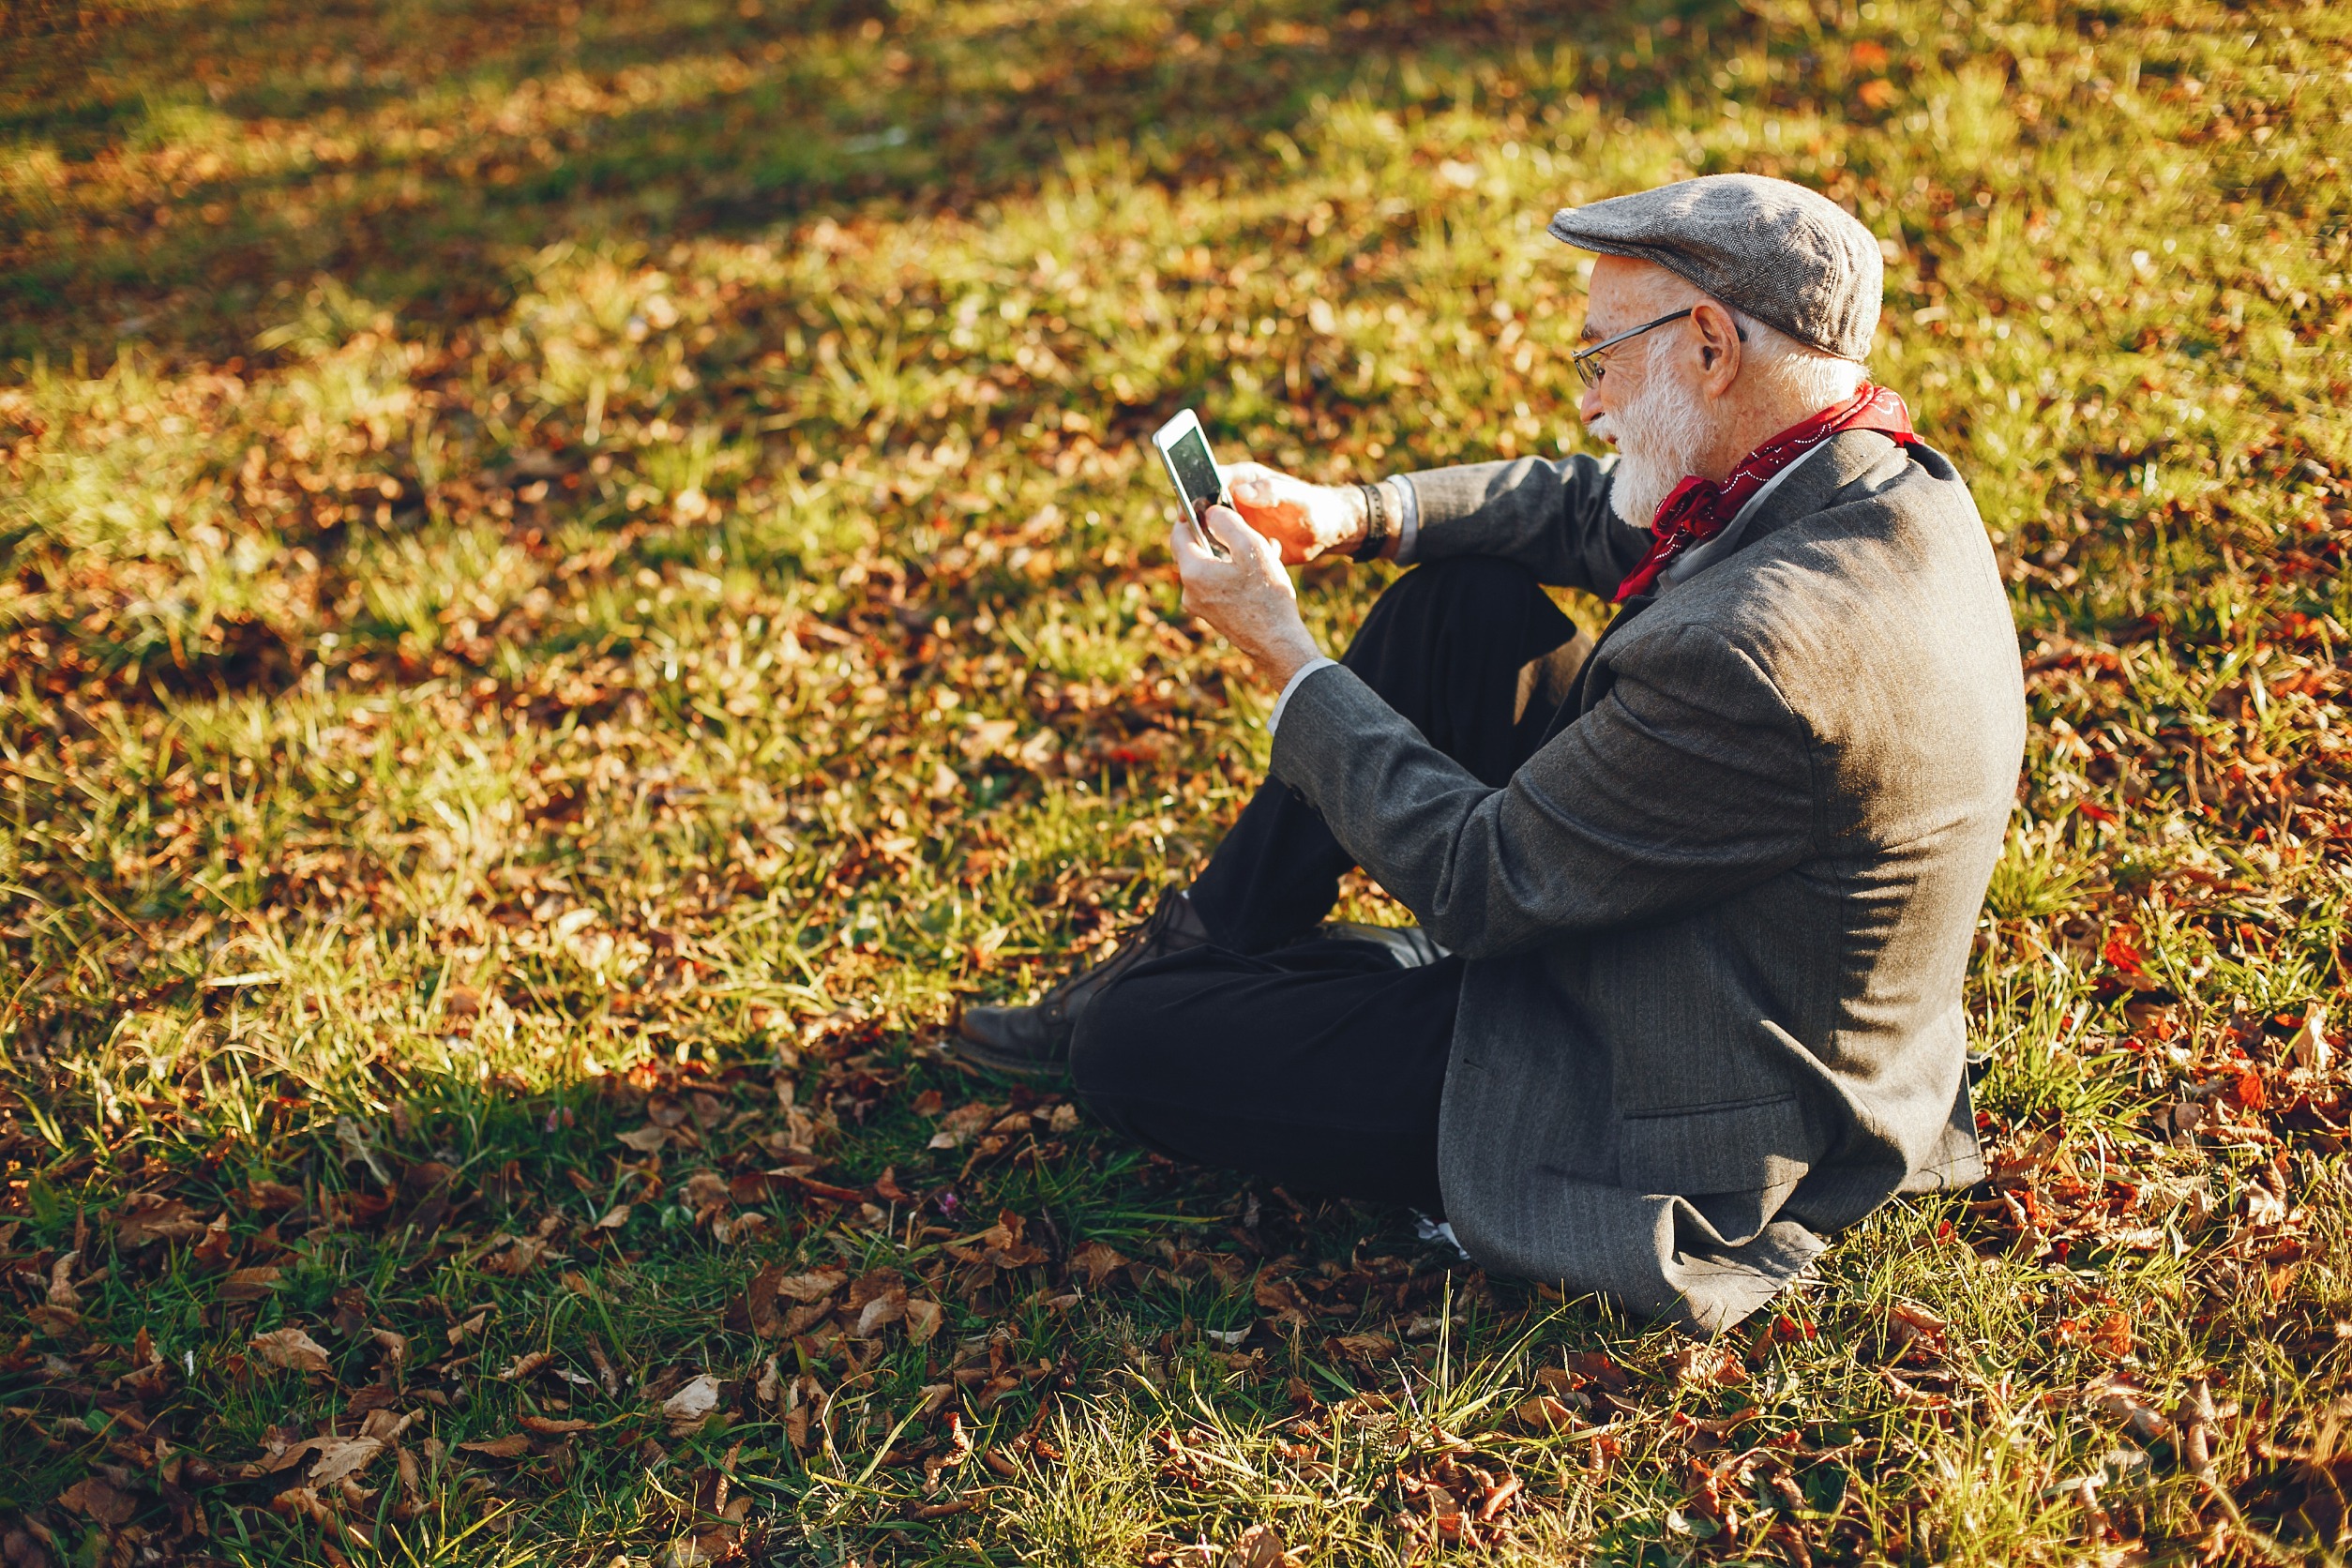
(1553, 518)
(1690, 780)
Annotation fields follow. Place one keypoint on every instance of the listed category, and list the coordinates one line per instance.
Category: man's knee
(1468, 581)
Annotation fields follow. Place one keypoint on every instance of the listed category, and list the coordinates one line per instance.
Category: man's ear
(1719, 347)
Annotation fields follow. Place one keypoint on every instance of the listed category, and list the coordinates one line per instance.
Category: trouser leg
(1446, 646)
(1319, 1066)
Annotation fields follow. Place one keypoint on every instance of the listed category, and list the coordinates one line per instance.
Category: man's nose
(1592, 404)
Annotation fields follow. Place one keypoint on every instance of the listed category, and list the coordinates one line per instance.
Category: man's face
(1648, 404)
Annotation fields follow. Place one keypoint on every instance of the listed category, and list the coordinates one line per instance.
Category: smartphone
(1199, 484)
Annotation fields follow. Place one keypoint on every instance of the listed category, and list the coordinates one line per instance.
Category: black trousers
(1312, 1062)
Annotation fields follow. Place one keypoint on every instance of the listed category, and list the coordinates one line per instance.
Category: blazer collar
(1850, 456)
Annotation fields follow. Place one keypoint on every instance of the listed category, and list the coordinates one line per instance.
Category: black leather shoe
(1034, 1041)
(1410, 947)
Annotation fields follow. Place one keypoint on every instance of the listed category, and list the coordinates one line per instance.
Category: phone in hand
(1199, 483)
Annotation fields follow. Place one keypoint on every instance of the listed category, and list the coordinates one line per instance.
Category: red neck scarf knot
(1698, 509)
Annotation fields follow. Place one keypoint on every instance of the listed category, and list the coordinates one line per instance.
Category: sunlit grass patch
(578, 577)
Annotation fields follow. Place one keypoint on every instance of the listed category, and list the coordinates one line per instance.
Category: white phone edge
(1182, 423)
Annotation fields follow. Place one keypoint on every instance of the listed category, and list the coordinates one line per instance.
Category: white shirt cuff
(1291, 686)
(1408, 516)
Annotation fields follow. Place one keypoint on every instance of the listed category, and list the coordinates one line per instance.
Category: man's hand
(1249, 598)
(1305, 520)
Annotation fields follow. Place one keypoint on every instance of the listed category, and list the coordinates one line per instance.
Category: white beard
(1658, 437)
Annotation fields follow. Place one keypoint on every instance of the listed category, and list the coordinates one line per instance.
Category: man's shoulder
(1882, 565)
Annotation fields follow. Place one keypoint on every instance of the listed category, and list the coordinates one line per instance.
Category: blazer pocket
(1744, 1146)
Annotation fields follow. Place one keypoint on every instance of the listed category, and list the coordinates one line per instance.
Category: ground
(575, 574)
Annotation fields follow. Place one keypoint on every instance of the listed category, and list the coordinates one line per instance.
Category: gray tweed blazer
(1717, 927)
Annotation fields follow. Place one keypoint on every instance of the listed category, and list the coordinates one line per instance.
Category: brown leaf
(810, 1286)
(1279, 1297)
(100, 1501)
(693, 1402)
(1258, 1547)
(706, 1190)
(526, 1364)
(552, 1427)
(513, 1446)
(959, 1127)
(1544, 1415)
(1098, 1261)
(1596, 1366)
(293, 1349)
(248, 1285)
(269, 1197)
(1708, 1366)
(646, 1139)
(56, 1321)
(1916, 1324)
(922, 1320)
(876, 1284)
(211, 1254)
(518, 1257)
(1365, 1348)
(148, 1218)
(343, 1457)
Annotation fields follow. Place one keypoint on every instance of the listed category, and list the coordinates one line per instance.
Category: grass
(577, 573)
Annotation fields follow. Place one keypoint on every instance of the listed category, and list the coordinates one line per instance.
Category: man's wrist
(1359, 520)
(1280, 665)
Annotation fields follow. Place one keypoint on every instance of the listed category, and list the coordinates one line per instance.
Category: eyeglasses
(1589, 373)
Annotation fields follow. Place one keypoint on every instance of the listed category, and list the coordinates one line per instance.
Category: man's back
(1717, 927)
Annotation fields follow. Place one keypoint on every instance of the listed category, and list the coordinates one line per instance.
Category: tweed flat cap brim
(1789, 257)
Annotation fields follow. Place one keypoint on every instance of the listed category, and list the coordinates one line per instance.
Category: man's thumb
(1225, 525)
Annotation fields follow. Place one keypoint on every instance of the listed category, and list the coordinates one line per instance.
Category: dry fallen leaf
(810, 1286)
(697, 1400)
(1544, 1415)
(107, 1504)
(1258, 1547)
(553, 1426)
(526, 1364)
(1098, 1261)
(248, 1285)
(1708, 1366)
(512, 1446)
(291, 1349)
(148, 1218)
(343, 1457)
(923, 1320)
(2309, 1049)
(957, 1127)
(1916, 1324)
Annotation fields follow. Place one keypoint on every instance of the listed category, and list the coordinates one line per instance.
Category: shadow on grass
(179, 174)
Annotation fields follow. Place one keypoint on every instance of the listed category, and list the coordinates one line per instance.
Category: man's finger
(1225, 526)
(1183, 542)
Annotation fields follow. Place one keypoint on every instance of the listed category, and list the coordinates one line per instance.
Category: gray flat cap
(1788, 256)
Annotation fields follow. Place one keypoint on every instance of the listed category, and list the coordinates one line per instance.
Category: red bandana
(1698, 509)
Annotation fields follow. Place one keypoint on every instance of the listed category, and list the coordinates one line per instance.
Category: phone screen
(1196, 471)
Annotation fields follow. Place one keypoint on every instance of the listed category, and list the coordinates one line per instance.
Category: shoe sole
(982, 1055)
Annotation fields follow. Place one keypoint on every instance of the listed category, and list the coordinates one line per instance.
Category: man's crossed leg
(1235, 1029)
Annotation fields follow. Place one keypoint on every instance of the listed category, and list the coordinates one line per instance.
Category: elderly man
(1694, 901)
